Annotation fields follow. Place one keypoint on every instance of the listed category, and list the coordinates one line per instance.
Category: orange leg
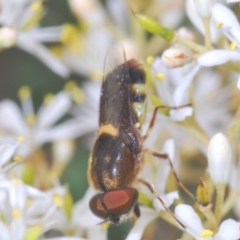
(150, 187)
(165, 156)
(154, 116)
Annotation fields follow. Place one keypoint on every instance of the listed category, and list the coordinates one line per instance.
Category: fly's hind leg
(154, 193)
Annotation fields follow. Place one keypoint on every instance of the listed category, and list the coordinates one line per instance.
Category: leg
(150, 187)
(166, 157)
(154, 116)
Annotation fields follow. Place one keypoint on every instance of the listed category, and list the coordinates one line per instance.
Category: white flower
(19, 21)
(229, 229)
(231, 29)
(197, 21)
(41, 128)
(173, 89)
(208, 95)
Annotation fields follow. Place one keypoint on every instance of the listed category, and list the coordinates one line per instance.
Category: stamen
(56, 50)
(29, 202)
(76, 92)
(17, 182)
(18, 158)
(149, 60)
(20, 138)
(16, 213)
(233, 45)
(48, 98)
(160, 76)
(219, 24)
(57, 199)
(30, 119)
(24, 92)
(206, 233)
(37, 6)
(70, 37)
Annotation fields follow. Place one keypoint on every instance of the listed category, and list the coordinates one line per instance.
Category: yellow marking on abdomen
(108, 129)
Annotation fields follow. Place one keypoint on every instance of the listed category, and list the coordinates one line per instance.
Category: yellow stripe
(108, 129)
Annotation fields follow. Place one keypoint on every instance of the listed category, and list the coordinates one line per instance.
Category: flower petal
(180, 93)
(6, 152)
(229, 229)
(217, 57)
(147, 215)
(189, 218)
(181, 114)
(51, 112)
(11, 118)
(41, 52)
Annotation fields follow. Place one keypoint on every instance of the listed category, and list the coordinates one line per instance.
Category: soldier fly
(117, 154)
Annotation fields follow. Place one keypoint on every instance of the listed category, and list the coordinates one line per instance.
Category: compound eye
(116, 202)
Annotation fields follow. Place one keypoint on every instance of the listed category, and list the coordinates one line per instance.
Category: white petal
(193, 16)
(229, 229)
(223, 14)
(18, 229)
(217, 57)
(69, 129)
(11, 118)
(180, 94)
(238, 83)
(147, 215)
(52, 112)
(168, 200)
(6, 152)
(189, 218)
(4, 232)
(17, 194)
(41, 52)
(230, 27)
(181, 114)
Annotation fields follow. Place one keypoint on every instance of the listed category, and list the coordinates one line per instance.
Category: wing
(115, 103)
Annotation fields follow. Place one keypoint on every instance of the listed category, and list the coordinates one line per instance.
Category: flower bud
(185, 33)
(176, 56)
(8, 37)
(154, 27)
(203, 8)
(219, 158)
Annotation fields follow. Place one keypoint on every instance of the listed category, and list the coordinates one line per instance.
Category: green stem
(220, 190)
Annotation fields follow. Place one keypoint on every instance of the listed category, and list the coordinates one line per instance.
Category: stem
(234, 127)
(220, 191)
(208, 40)
(230, 202)
(211, 220)
(189, 44)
